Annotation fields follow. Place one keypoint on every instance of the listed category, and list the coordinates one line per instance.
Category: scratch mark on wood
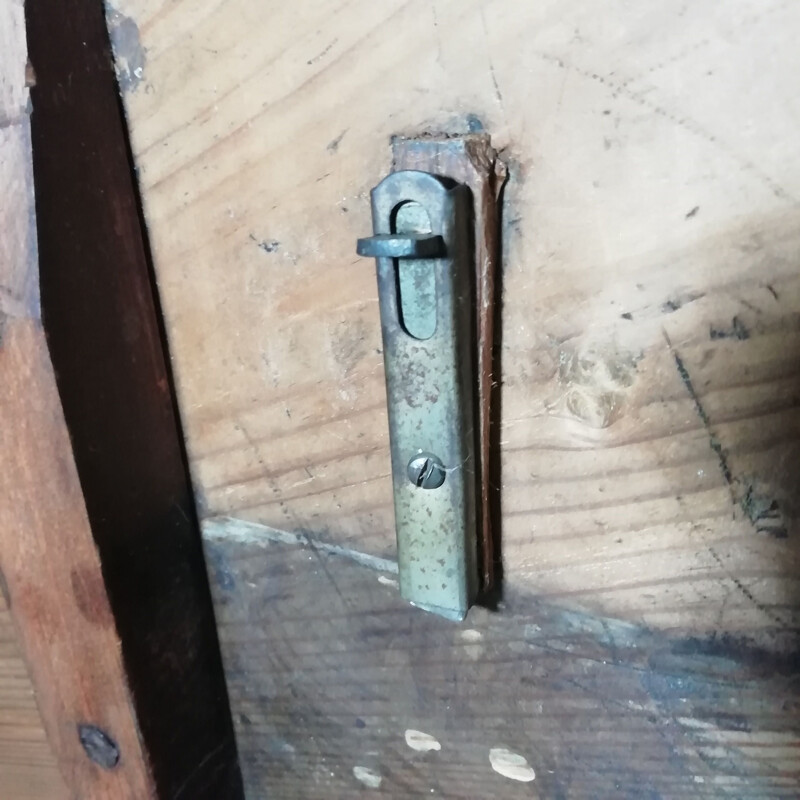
(498, 94)
(196, 771)
(322, 54)
(714, 443)
(229, 529)
(686, 123)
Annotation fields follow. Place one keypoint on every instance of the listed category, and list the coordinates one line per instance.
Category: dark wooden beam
(103, 327)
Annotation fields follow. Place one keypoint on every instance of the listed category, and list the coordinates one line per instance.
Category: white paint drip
(388, 581)
(422, 742)
(367, 776)
(511, 765)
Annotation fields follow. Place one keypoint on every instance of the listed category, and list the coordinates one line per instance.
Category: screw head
(99, 746)
(426, 471)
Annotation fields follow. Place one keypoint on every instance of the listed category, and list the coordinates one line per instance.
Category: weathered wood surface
(103, 331)
(652, 200)
(650, 317)
(330, 675)
(52, 573)
(50, 577)
(28, 768)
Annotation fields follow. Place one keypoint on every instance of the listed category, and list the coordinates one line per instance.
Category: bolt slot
(416, 277)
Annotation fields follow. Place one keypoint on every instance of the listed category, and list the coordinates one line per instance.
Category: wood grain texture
(46, 549)
(650, 341)
(52, 573)
(331, 674)
(28, 768)
(103, 330)
(650, 306)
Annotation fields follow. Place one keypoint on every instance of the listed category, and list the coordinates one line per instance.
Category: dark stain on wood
(90, 597)
(103, 325)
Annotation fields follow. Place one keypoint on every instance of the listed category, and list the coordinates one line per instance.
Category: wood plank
(106, 344)
(28, 768)
(341, 690)
(55, 588)
(649, 222)
(648, 439)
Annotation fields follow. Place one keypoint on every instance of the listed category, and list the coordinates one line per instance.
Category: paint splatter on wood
(511, 765)
(422, 742)
(367, 776)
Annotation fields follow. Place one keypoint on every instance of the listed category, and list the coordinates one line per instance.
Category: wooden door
(645, 643)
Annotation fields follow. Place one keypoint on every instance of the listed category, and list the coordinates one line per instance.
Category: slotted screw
(426, 471)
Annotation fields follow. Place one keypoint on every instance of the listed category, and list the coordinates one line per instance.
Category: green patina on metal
(427, 319)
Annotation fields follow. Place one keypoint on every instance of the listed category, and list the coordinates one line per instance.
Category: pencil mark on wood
(333, 144)
(713, 441)
(322, 54)
(683, 122)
